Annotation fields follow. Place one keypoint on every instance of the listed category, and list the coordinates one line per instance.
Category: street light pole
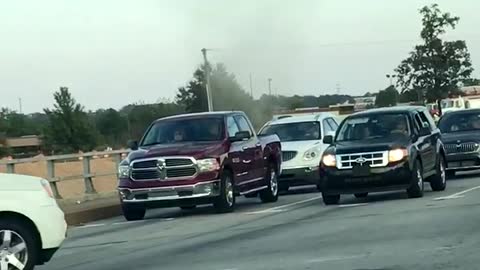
(207, 77)
(270, 86)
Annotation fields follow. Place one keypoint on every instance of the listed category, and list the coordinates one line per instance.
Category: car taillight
(47, 188)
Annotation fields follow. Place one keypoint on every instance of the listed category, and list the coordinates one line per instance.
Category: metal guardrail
(87, 174)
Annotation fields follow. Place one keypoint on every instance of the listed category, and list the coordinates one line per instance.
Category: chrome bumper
(199, 190)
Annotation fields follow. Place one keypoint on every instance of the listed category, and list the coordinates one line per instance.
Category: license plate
(361, 170)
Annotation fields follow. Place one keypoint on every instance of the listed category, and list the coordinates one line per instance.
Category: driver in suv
(384, 149)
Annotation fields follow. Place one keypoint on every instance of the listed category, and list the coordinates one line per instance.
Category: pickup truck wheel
(361, 195)
(438, 182)
(270, 194)
(330, 199)
(19, 245)
(133, 212)
(416, 188)
(225, 202)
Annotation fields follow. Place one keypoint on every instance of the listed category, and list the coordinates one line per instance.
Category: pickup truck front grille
(461, 148)
(372, 159)
(163, 169)
(288, 155)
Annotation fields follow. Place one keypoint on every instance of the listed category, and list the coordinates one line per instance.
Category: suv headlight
(397, 155)
(208, 165)
(123, 171)
(311, 154)
(329, 161)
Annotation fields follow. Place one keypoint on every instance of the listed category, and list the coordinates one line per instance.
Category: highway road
(384, 231)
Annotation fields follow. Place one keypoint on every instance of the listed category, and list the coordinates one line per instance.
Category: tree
(387, 97)
(435, 68)
(471, 82)
(68, 128)
(193, 97)
(112, 126)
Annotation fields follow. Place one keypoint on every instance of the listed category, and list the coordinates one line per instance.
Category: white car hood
(300, 146)
(10, 182)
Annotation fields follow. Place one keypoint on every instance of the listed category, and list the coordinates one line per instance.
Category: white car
(302, 146)
(32, 226)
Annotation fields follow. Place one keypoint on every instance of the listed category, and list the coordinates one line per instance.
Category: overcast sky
(112, 52)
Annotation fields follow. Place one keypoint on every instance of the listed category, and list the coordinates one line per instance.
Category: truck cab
(377, 150)
(194, 159)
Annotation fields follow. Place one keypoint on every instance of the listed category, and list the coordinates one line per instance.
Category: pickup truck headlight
(123, 171)
(329, 160)
(397, 155)
(311, 154)
(208, 165)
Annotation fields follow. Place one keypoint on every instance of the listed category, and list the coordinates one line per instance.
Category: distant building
(25, 146)
(362, 103)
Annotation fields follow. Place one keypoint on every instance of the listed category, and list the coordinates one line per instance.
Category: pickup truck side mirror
(132, 144)
(241, 136)
(328, 139)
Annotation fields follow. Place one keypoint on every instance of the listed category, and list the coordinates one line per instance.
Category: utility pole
(337, 87)
(270, 86)
(207, 84)
(251, 86)
(20, 105)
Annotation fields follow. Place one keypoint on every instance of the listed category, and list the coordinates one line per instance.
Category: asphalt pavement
(385, 231)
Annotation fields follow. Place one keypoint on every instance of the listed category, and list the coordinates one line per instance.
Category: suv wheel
(270, 194)
(133, 212)
(438, 182)
(19, 245)
(330, 199)
(417, 184)
(225, 202)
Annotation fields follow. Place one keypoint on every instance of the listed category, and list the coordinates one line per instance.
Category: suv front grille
(163, 169)
(372, 159)
(461, 148)
(288, 155)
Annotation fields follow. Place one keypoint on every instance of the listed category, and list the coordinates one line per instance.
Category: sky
(111, 53)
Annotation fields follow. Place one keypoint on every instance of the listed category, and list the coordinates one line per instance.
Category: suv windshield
(460, 122)
(303, 131)
(374, 126)
(185, 130)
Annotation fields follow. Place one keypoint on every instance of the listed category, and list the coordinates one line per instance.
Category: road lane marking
(90, 226)
(281, 207)
(336, 258)
(352, 205)
(457, 195)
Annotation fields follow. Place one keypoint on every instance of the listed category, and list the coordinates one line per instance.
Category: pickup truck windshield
(303, 131)
(460, 122)
(184, 130)
(373, 127)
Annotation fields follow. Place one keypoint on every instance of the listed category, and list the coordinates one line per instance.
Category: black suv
(461, 137)
(381, 150)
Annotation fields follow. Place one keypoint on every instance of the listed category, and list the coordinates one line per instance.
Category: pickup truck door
(425, 145)
(248, 153)
(237, 154)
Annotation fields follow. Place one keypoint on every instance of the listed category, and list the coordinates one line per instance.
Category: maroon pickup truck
(194, 159)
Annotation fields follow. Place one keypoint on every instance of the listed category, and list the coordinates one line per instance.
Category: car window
(458, 122)
(289, 132)
(333, 123)
(424, 119)
(232, 127)
(374, 126)
(327, 128)
(243, 124)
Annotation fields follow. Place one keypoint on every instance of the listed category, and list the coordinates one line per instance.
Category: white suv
(302, 146)
(32, 226)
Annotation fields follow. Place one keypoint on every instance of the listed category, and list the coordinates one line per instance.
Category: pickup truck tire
(225, 202)
(361, 195)
(24, 246)
(330, 199)
(133, 212)
(438, 182)
(270, 194)
(417, 185)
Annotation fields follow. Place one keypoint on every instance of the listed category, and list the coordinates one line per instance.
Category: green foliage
(436, 67)
(193, 97)
(68, 128)
(471, 82)
(112, 126)
(387, 97)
